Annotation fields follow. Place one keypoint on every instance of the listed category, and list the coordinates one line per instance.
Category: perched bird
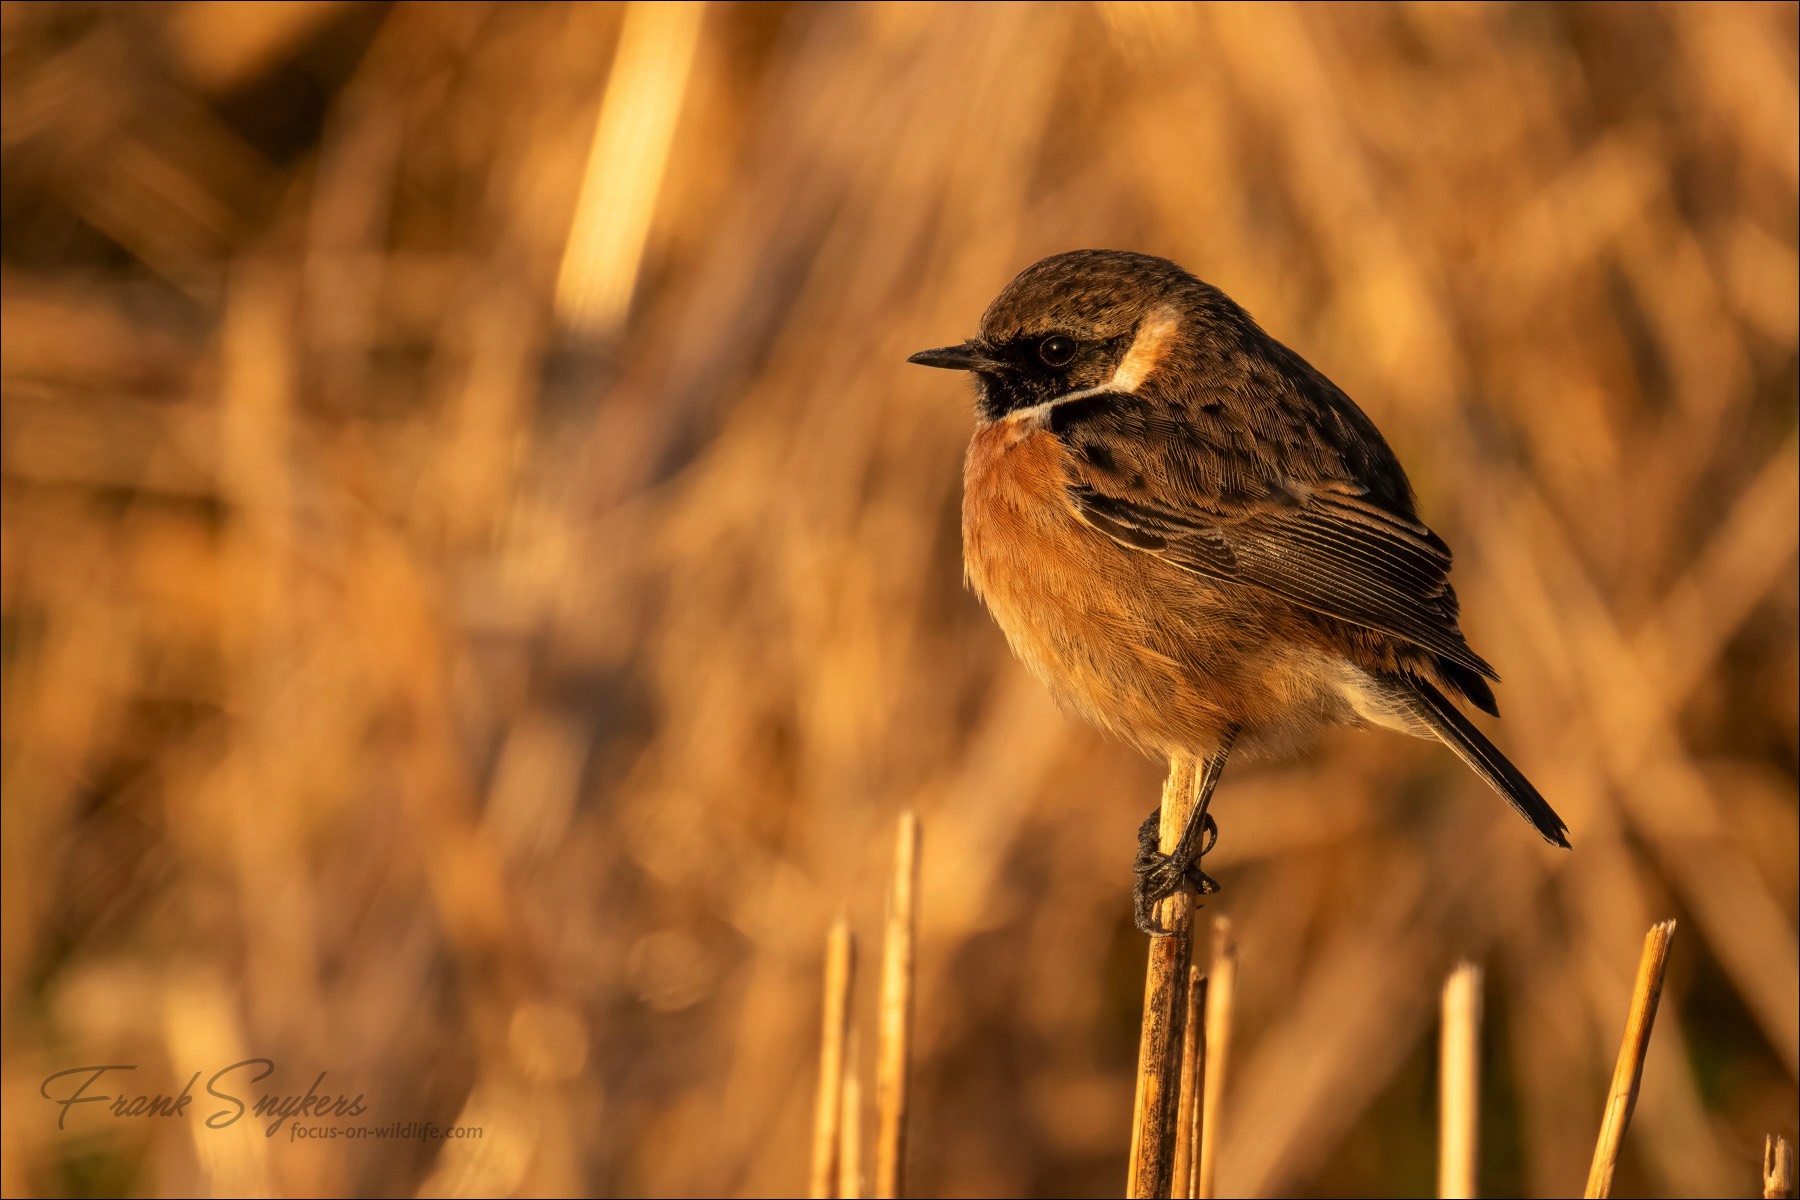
(1197, 541)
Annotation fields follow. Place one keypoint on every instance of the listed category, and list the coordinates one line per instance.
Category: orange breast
(1020, 536)
(1160, 656)
(1078, 609)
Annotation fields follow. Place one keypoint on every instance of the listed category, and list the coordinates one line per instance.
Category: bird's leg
(1159, 874)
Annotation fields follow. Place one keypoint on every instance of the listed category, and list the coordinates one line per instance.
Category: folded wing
(1323, 543)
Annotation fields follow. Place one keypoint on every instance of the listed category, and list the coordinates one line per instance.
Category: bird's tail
(1454, 730)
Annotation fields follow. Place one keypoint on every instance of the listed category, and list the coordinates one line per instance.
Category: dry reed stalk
(850, 1131)
(627, 160)
(897, 974)
(1778, 1168)
(1629, 1071)
(1188, 1109)
(840, 963)
(1459, 1082)
(1154, 1113)
(1221, 984)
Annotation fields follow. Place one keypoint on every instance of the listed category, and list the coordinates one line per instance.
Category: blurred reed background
(480, 579)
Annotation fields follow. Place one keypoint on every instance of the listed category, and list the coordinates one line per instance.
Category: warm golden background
(480, 580)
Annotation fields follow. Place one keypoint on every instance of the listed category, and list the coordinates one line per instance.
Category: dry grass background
(480, 581)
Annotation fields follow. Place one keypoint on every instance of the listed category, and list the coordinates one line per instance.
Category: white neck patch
(1146, 350)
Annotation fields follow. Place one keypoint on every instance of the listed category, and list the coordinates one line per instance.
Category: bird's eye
(1056, 350)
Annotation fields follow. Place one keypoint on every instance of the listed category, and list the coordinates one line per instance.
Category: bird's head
(1087, 321)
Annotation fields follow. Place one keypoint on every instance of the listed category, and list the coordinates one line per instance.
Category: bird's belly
(1162, 657)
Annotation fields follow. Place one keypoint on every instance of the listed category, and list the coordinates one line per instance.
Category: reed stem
(1220, 989)
(1778, 1168)
(850, 1138)
(1155, 1111)
(1190, 1106)
(897, 975)
(1459, 1083)
(1628, 1072)
(839, 966)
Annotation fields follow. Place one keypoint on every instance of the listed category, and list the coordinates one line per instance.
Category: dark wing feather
(1251, 507)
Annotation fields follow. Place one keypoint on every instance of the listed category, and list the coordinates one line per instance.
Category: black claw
(1150, 834)
(1203, 883)
(1152, 886)
(1210, 828)
(1159, 875)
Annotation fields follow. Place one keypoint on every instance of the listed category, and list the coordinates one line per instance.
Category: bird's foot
(1159, 874)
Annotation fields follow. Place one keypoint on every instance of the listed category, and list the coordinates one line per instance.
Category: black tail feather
(1474, 688)
(1454, 730)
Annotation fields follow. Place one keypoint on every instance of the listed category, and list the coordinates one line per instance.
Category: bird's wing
(1240, 497)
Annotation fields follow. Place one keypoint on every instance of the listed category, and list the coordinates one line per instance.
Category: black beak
(966, 357)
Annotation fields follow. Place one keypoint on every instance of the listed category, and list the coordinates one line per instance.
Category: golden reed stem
(1778, 1168)
(1629, 1071)
(897, 975)
(1160, 1043)
(850, 1139)
(1459, 1083)
(827, 1118)
(1190, 1107)
(1221, 988)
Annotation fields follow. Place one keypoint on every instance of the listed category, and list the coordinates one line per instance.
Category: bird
(1199, 543)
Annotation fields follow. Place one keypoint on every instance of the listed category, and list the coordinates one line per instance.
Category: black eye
(1056, 350)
